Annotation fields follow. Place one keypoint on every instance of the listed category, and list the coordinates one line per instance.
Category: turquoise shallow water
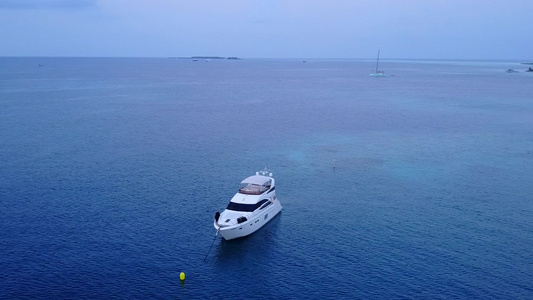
(112, 169)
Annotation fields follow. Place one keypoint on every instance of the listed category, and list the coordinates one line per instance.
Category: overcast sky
(453, 29)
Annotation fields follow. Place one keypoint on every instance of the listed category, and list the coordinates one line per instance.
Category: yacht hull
(254, 223)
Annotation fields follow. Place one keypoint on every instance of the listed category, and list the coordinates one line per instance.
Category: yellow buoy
(182, 276)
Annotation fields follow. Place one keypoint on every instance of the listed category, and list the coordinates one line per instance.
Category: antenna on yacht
(264, 172)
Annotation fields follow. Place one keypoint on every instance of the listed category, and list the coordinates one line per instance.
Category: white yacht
(251, 208)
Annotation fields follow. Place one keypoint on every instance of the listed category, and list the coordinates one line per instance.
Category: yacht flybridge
(251, 208)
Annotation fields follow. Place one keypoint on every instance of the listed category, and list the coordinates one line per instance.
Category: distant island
(207, 57)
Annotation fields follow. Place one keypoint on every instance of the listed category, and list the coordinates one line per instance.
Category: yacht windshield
(241, 207)
(248, 207)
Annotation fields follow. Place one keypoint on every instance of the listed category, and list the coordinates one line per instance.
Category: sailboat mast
(377, 63)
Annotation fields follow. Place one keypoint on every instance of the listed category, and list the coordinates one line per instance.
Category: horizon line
(281, 58)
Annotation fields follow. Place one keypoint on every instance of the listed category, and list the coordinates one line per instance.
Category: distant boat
(511, 71)
(378, 73)
(529, 70)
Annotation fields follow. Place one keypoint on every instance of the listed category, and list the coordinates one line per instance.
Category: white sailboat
(378, 73)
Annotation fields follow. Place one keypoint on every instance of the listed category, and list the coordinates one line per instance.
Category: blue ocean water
(111, 170)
